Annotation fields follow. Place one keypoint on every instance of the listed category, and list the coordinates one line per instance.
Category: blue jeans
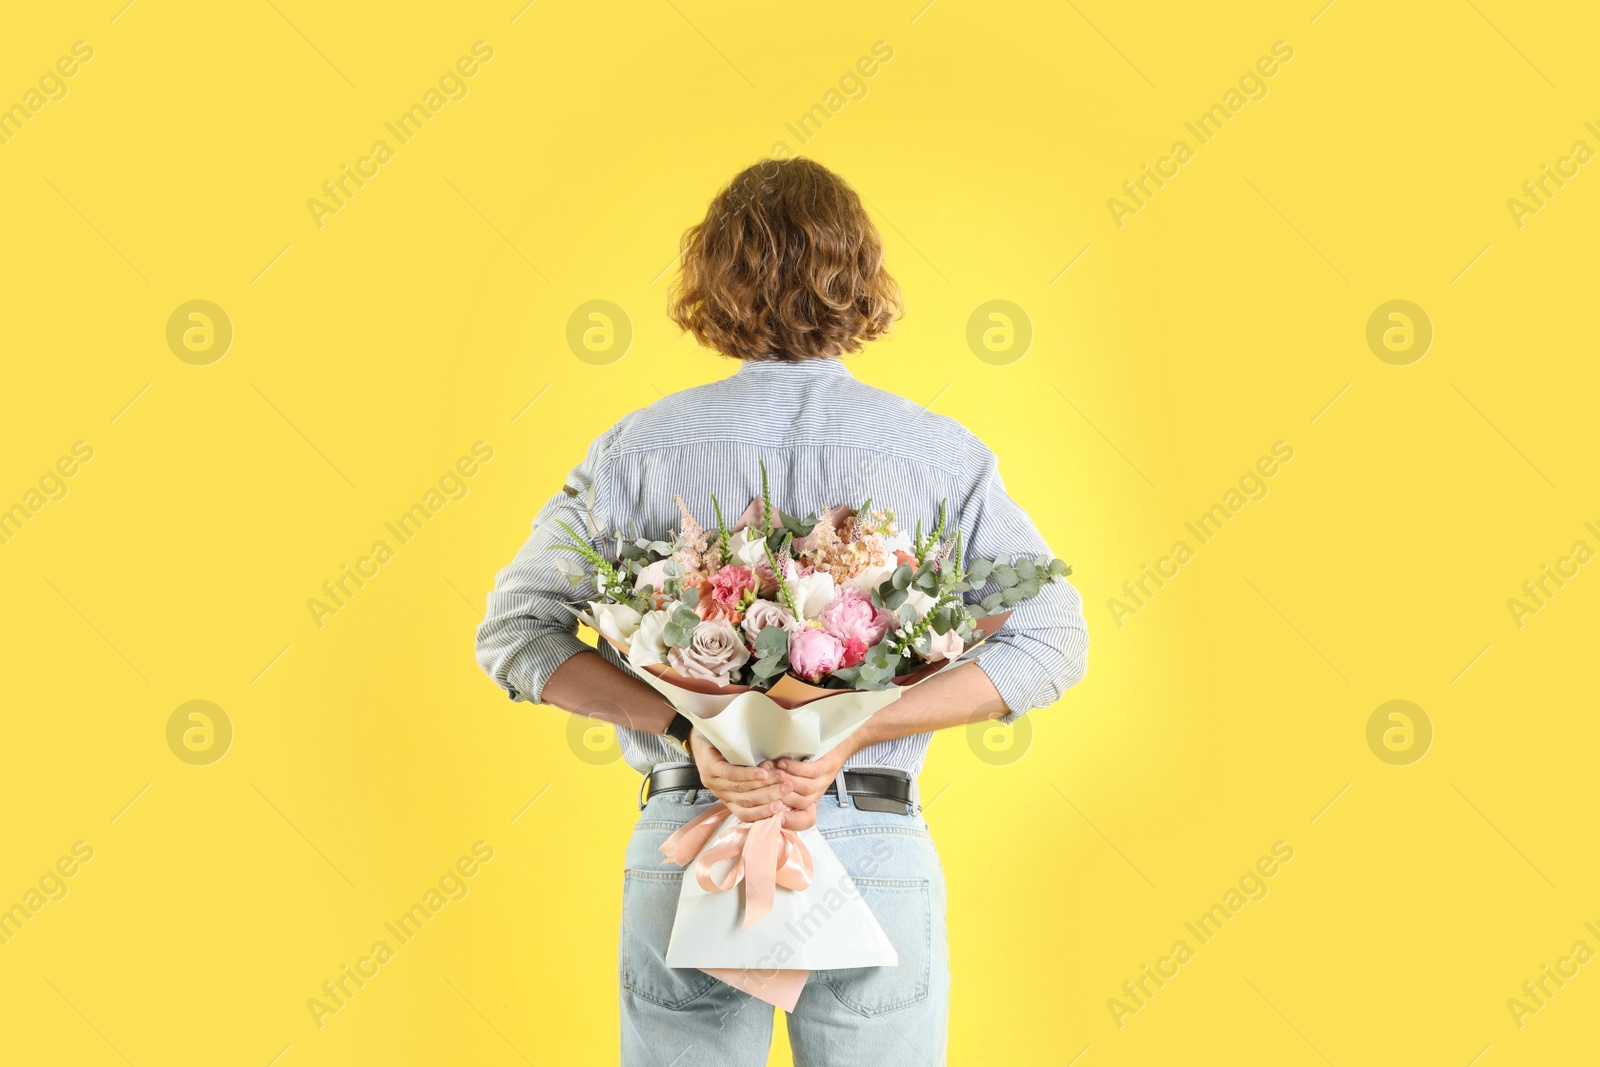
(870, 1016)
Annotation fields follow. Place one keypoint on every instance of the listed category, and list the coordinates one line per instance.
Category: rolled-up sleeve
(528, 630)
(1042, 650)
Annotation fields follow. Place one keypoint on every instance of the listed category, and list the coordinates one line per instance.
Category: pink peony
(852, 614)
(813, 653)
(854, 652)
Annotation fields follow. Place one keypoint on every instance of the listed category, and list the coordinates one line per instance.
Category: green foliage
(722, 527)
(679, 630)
(877, 671)
(772, 652)
(788, 528)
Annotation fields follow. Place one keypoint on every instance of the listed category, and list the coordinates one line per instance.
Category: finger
(800, 801)
(751, 797)
(800, 820)
(742, 785)
(755, 812)
(803, 768)
(712, 764)
(763, 773)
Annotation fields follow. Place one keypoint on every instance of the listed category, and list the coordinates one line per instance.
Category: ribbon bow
(765, 855)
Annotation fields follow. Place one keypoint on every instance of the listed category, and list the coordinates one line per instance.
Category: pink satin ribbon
(765, 855)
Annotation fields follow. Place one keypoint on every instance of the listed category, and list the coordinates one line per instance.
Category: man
(785, 274)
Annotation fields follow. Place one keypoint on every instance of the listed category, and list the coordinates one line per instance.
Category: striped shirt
(825, 439)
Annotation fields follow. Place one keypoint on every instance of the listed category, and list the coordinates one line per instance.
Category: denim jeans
(870, 1016)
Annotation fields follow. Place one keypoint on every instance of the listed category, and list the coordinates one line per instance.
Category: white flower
(616, 621)
(811, 592)
(747, 547)
(648, 647)
(872, 577)
(655, 575)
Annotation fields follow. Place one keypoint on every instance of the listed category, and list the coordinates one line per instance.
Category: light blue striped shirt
(826, 439)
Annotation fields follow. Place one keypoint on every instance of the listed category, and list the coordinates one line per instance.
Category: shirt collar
(827, 367)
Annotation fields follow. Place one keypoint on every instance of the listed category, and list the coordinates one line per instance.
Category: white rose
(655, 575)
(616, 621)
(648, 647)
(747, 547)
(811, 592)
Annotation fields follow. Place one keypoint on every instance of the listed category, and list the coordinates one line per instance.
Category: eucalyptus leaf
(772, 641)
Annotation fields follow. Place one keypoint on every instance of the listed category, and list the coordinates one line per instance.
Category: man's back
(824, 437)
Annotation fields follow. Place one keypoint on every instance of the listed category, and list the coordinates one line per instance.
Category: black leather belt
(870, 788)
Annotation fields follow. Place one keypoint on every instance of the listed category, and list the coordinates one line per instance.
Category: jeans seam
(863, 831)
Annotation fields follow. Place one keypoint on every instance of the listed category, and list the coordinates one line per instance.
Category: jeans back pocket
(904, 908)
(649, 904)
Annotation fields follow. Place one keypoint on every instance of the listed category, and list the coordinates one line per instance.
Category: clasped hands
(788, 786)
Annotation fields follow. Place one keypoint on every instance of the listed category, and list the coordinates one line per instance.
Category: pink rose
(764, 613)
(944, 646)
(852, 614)
(768, 579)
(813, 653)
(715, 652)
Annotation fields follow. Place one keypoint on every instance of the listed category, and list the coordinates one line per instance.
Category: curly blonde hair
(786, 266)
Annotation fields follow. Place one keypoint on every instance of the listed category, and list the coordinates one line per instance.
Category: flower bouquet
(779, 636)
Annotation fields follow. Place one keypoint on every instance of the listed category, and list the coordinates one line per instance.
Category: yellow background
(1230, 312)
